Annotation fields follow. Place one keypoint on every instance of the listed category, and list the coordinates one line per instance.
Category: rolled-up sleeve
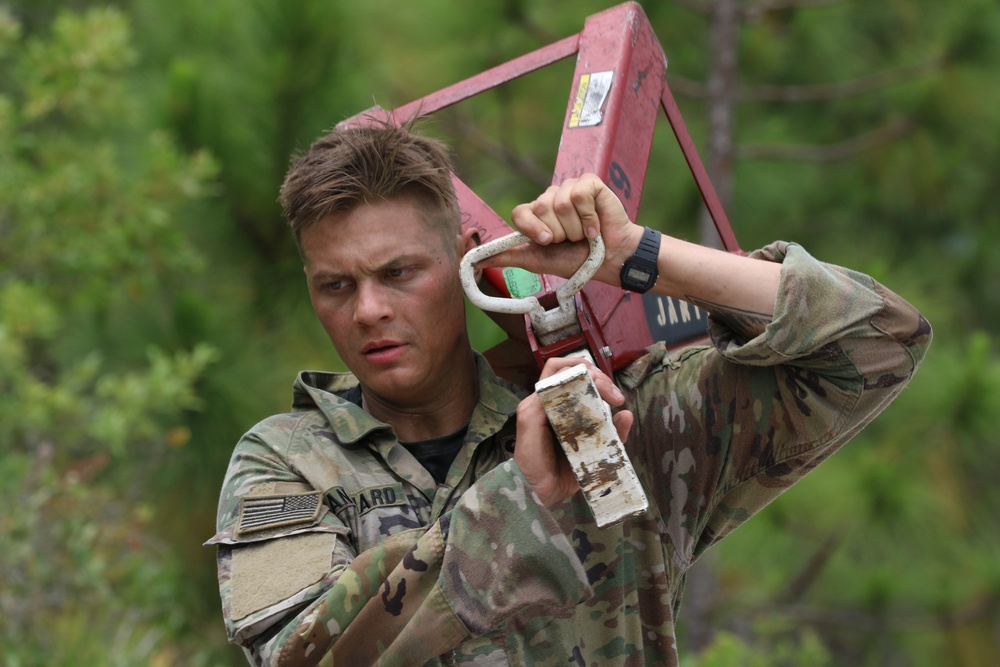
(727, 428)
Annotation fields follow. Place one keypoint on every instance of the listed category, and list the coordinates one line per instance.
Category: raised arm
(805, 355)
(737, 290)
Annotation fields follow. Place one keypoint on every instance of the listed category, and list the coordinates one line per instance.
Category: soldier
(417, 511)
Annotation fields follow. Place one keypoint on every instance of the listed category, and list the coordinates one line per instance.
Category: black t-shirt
(436, 454)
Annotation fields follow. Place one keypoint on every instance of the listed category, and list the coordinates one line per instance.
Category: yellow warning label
(581, 95)
(591, 94)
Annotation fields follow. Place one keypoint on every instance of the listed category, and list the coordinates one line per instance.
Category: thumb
(608, 207)
(561, 259)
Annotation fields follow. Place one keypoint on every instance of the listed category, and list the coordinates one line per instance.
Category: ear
(469, 239)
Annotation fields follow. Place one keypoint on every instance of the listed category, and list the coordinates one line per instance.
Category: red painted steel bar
(619, 85)
(705, 187)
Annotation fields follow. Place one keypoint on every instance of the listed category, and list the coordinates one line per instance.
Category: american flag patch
(262, 512)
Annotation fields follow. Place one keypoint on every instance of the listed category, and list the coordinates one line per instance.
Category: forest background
(152, 306)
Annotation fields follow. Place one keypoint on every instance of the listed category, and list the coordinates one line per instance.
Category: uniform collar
(325, 391)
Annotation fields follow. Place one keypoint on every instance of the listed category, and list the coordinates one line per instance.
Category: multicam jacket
(336, 547)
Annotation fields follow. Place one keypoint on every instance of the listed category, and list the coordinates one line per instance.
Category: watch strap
(646, 256)
(649, 245)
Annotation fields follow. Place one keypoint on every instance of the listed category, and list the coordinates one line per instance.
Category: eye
(336, 285)
(398, 273)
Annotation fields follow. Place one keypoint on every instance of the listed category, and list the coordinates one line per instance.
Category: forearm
(737, 290)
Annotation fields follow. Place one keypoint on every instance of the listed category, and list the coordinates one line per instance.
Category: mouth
(382, 351)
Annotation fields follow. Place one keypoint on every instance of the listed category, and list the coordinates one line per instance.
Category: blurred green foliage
(89, 192)
(152, 306)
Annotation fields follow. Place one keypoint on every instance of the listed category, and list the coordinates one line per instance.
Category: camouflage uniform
(337, 548)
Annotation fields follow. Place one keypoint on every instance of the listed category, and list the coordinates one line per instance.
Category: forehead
(378, 231)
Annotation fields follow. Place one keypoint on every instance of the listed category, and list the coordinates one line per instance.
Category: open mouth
(381, 352)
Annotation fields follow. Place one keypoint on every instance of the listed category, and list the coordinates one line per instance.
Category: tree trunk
(724, 29)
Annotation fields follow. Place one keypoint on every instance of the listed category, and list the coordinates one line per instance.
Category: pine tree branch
(839, 90)
(830, 152)
(964, 613)
(811, 93)
(682, 85)
(470, 134)
(756, 10)
(811, 571)
(703, 8)
(516, 13)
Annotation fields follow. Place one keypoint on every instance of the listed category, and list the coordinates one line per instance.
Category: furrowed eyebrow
(402, 261)
(395, 262)
(325, 276)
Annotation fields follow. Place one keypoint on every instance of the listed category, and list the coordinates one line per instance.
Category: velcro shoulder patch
(274, 511)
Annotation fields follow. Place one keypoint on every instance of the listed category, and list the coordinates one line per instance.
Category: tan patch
(280, 488)
(271, 571)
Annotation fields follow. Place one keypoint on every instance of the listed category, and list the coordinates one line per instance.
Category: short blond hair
(350, 167)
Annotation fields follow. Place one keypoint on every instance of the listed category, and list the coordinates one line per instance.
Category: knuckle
(580, 194)
(564, 206)
(528, 406)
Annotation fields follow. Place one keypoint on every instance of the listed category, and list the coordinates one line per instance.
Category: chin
(395, 389)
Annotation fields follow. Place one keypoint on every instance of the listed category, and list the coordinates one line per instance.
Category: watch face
(638, 275)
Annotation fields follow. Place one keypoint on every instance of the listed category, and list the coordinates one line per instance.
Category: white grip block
(582, 422)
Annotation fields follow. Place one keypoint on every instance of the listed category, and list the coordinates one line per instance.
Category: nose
(371, 304)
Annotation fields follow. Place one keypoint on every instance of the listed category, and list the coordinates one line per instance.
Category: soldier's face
(385, 287)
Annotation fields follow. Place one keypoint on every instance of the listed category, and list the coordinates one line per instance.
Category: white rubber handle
(544, 321)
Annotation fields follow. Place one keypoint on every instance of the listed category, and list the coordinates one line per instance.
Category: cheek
(449, 300)
(332, 320)
(449, 321)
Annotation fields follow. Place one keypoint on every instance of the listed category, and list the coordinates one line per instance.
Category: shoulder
(277, 431)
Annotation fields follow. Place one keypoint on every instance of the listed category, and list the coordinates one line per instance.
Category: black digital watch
(639, 272)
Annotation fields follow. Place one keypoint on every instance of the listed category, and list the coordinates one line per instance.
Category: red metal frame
(616, 326)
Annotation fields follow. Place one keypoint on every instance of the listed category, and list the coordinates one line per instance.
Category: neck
(433, 416)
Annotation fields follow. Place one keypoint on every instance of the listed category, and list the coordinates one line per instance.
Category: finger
(554, 216)
(534, 449)
(529, 224)
(539, 456)
(516, 256)
(562, 259)
(564, 209)
(623, 420)
(607, 206)
(584, 195)
(537, 221)
(555, 364)
(606, 386)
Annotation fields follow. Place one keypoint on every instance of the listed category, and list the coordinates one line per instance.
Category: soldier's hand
(560, 223)
(538, 454)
